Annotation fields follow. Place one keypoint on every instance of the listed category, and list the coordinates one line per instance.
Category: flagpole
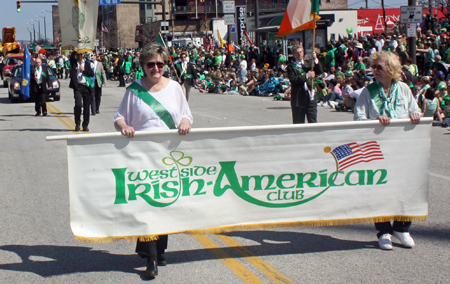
(314, 41)
(313, 50)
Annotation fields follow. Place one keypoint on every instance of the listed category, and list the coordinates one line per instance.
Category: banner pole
(366, 123)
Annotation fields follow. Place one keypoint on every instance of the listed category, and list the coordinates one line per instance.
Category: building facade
(120, 21)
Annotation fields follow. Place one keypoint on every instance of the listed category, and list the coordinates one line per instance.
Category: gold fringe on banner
(262, 226)
(104, 240)
(84, 50)
(68, 47)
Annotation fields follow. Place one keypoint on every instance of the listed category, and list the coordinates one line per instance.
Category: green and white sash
(153, 103)
(100, 77)
(386, 105)
(89, 82)
(296, 67)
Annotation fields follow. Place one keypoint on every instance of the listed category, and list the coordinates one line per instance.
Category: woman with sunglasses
(151, 103)
(385, 99)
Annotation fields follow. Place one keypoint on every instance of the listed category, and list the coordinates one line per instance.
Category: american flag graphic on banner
(353, 153)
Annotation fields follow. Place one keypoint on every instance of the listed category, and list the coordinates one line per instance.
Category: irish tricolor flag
(299, 16)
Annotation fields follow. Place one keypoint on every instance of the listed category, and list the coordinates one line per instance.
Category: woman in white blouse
(151, 103)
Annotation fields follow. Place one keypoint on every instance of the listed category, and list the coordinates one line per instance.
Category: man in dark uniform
(100, 81)
(81, 83)
(186, 73)
(121, 70)
(302, 97)
(40, 83)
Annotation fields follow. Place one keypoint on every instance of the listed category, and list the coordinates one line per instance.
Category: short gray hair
(151, 50)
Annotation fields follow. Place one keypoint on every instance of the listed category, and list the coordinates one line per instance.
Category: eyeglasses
(151, 65)
(379, 67)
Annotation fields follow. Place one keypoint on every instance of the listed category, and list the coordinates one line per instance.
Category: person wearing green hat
(444, 97)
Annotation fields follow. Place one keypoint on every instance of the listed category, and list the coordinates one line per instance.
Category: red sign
(372, 21)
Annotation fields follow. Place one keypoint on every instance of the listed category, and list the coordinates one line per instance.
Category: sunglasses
(379, 67)
(151, 65)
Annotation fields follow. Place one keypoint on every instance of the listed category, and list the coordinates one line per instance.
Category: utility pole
(412, 40)
(256, 22)
(384, 15)
(206, 25)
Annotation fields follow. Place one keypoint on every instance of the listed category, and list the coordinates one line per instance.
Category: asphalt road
(37, 245)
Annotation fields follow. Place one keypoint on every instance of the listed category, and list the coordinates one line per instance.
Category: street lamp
(34, 32)
(52, 18)
(45, 28)
(31, 39)
(39, 28)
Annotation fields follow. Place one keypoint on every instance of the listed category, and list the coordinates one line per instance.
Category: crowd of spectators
(346, 63)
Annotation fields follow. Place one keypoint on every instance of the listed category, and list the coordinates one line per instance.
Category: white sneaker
(332, 104)
(384, 242)
(320, 104)
(405, 239)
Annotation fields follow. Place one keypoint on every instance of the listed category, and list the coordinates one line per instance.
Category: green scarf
(386, 105)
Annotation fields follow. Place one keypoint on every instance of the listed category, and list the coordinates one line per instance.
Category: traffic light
(19, 6)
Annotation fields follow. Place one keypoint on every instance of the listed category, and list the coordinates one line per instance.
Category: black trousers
(387, 228)
(40, 100)
(153, 248)
(93, 102)
(98, 97)
(121, 80)
(309, 110)
(82, 96)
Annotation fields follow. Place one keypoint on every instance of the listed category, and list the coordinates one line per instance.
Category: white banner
(78, 24)
(225, 179)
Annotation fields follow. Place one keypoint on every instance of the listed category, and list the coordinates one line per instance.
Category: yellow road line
(257, 262)
(246, 275)
(69, 123)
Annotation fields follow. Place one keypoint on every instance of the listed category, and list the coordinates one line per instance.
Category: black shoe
(77, 128)
(85, 128)
(162, 260)
(445, 125)
(97, 112)
(37, 114)
(93, 113)
(45, 113)
(152, 268)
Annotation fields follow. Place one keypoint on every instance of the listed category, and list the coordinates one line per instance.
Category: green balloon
(349, 30)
